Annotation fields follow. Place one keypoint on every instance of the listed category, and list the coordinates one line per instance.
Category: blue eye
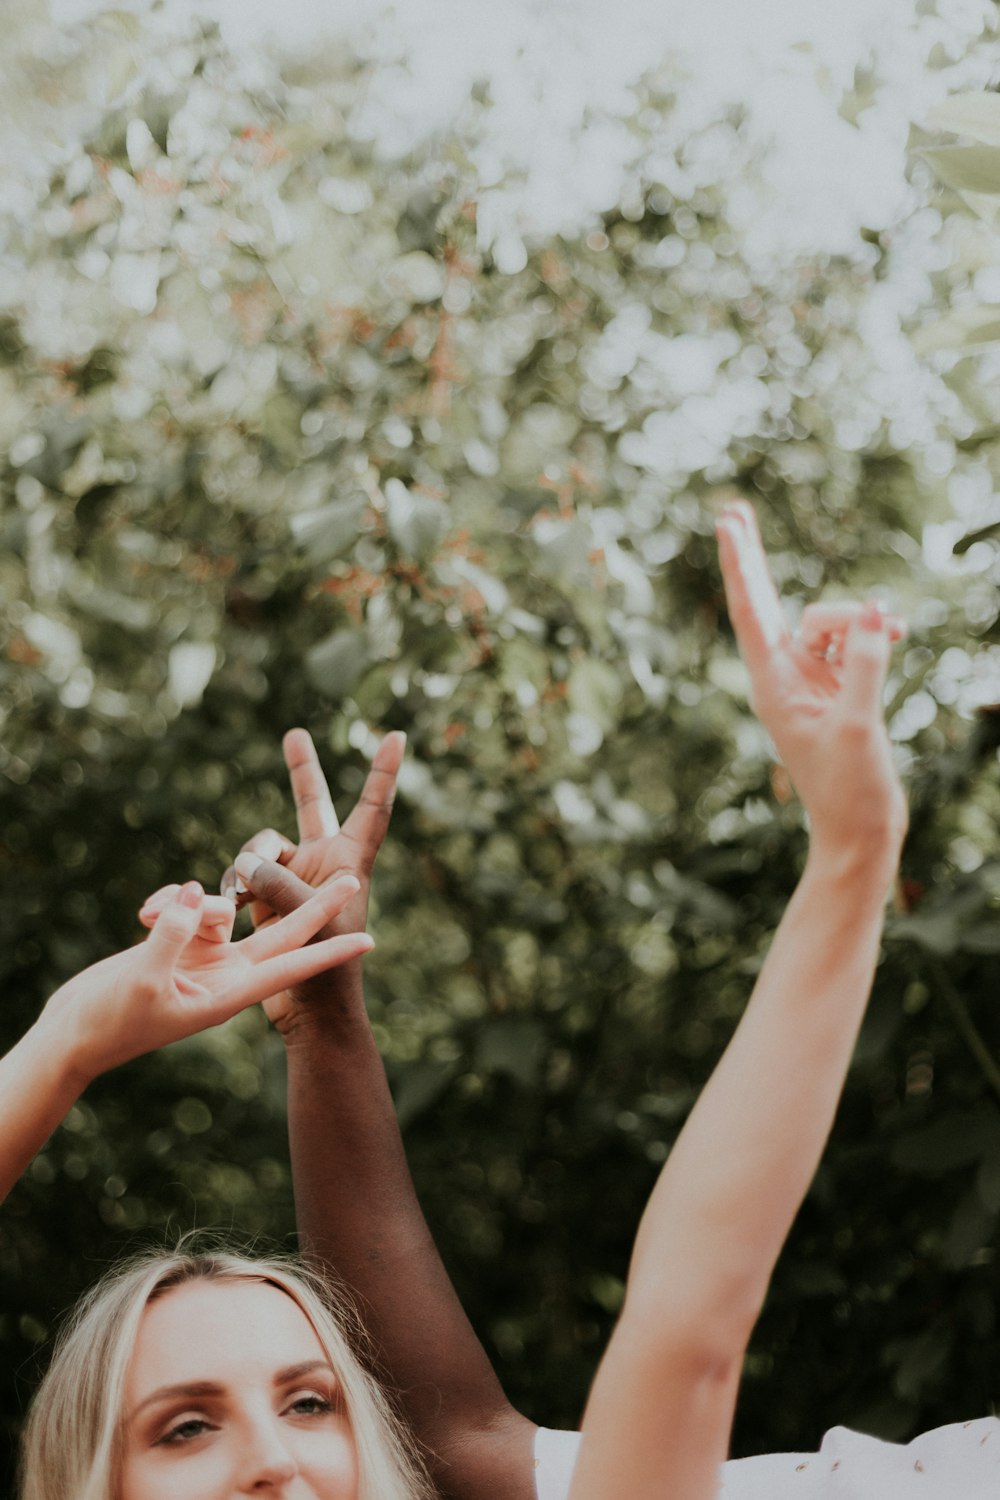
(311, 1406)
(192, 1427)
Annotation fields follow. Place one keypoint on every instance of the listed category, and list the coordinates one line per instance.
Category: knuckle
(146, 987)
(262, 842)
(856, 729)
(281, 891)
(266, 883)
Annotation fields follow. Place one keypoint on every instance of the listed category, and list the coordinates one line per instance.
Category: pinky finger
(217, 914)
(823, 627)
(154, 904)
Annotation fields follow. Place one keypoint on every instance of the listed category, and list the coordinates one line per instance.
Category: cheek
(329, 1460)
(202, 1476)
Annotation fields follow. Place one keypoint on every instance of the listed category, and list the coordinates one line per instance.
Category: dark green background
(395, 493)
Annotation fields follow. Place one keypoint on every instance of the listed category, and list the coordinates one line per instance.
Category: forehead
(222, 1331)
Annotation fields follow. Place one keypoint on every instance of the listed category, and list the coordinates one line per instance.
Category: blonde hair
(72, 1444)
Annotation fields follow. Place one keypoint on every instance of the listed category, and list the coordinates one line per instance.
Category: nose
(268, 1462)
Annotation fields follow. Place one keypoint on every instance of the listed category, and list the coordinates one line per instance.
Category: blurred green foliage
(282, 443)
(962, 147)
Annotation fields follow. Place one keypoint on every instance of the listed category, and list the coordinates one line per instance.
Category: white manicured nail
(247, 865)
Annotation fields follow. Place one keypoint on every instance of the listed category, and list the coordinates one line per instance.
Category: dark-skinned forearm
(358, 1215)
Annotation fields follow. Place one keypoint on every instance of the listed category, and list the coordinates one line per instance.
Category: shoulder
(962, 1459)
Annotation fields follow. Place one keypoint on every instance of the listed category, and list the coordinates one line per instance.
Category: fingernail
(190, 894)
(247, 865)
(351, 881)
(229, 891)
(871, 617)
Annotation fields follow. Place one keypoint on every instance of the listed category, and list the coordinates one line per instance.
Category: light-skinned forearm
(40, 1080)
(734, 1181)
(727, 1196)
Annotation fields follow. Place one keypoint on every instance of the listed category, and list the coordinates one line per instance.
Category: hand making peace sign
(326, 850)
(818, 694)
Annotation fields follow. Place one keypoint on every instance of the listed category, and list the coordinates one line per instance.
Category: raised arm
(356, 1207)
(659, 1414)
(185, 977)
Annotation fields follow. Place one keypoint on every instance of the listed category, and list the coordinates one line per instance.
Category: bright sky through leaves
(561, 78)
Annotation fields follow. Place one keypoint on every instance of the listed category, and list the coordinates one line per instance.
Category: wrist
(331, 1006)
(865, 861)
(61, 1055)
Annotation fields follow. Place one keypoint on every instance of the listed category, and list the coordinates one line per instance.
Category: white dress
(958, 1462)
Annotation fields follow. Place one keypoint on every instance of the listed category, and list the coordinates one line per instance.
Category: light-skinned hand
(184, 977)
(818, 694)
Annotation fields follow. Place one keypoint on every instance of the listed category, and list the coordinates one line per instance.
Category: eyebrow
(202, 1388)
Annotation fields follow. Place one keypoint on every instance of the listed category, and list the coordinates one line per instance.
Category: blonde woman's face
(229, 1393)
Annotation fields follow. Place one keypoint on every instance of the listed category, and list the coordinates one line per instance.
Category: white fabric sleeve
(555, 1455)
(957, 1462)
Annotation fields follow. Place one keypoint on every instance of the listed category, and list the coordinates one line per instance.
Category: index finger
(754, 606)
(314, 808)
(217, 914)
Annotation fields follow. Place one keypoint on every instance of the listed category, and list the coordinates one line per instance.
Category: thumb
(866, 665)
(271, 883)
(176, 926)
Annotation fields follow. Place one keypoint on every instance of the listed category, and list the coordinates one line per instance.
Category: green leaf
(417, 276)
(966, 328)
(595, 690)
(919, 1361)
(420, 1085)
(937, 931)
(971, 169)
(334, 665)
(986, 938)
(953, 1141)
(416, 522)
(974, 114)
(961, 546)
(329, 531)
(988, 1183)
(120, 23)
(818, 1280)
(971, 1228)
(515, 1046)
(563, 548)
(986, 206)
